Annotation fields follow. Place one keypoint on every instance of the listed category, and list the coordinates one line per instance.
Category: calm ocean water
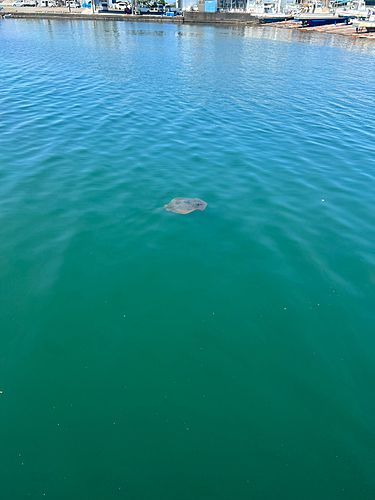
(224, 354)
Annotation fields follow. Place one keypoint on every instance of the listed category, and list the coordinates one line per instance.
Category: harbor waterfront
(224, 353)
(340, 26)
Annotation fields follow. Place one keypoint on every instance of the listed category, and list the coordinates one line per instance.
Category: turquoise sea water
(224, 354)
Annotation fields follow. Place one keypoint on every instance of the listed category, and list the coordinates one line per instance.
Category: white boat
(367, 24)
(259, 8)
(354, 9)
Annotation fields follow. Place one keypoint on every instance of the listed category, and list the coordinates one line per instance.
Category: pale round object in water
(185, 205)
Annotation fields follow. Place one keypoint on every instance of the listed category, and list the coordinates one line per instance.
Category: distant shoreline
(81, 14)
(118, 15)
(241, 19)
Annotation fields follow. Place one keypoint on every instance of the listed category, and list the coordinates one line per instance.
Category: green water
(224, 354)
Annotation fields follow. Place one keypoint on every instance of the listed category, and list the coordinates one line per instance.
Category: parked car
(18, 4)
(46, 3)
(73, 5)
(143, 10)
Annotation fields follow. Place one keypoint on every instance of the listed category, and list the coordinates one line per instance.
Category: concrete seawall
(85, 14)
(220, 17)
(90, 17)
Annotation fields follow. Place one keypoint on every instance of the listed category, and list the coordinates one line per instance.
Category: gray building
(231, 4)
(186, 4)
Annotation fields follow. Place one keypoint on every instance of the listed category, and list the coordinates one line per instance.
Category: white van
(143, 10)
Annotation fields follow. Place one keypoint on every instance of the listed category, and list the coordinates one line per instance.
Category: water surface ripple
(223, 354)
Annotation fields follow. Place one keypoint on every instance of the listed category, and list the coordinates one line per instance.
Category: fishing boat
(354, 10)
(367, 24)
(268, 11)
(320, 19)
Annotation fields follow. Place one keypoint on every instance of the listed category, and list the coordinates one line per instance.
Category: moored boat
(320, 19)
